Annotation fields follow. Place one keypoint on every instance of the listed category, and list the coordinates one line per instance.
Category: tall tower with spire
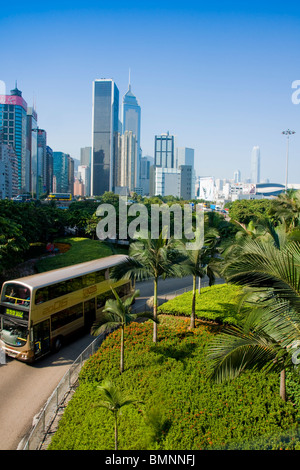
(132, 121)
(255, 165)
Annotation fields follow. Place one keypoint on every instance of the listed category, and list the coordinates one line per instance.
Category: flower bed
(181, 409)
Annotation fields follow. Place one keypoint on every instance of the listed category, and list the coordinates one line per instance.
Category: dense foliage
(245, 210)
(22, 224)
(181, 409)
(218, 303)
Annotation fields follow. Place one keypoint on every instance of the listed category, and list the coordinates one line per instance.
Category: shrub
(181, 410)
(219, 303)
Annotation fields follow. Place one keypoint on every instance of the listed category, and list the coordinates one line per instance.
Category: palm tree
(113, 401)
(151, 259)
(198, 263)
(287, 207)
(266, 339)
(117, 313)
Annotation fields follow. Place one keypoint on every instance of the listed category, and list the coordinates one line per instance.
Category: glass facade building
(13, 127)
(31, 169)
(132, 123)
(105, 123)
(60, 172)
(164, 151)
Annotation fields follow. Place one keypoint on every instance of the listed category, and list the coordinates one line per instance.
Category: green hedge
(218, 303)
(181, 410)
(82, 249)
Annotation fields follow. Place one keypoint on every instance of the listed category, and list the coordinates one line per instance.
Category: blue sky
(218, 75)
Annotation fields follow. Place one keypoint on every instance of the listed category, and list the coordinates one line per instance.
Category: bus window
(16, 294)
(100, 276)
(89, 279)
(66, 316)
(41, 295)
(123, 290)
(41, 337)
(12, 333)
(59, 289)
(75, 284)
(100, 301)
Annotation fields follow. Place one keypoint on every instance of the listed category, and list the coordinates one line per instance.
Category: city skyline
(223, 85)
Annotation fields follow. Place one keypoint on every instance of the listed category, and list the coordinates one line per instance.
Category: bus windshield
(16, 294)
(12, 333)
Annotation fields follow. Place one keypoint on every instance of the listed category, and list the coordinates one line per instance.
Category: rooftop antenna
(129, 84)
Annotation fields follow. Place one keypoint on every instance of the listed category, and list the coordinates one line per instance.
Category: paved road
(24, 389)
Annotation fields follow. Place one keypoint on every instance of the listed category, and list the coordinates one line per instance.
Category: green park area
(73, 250)
(215, 369)
(178, 407)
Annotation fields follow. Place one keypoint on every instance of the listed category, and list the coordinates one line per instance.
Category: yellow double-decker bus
(38, 312)
(59, 197)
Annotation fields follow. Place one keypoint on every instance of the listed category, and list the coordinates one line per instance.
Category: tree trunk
(193, 303)
(282, 385)
(155, 311)
(116, 431)
(199, 285)
(122, 350)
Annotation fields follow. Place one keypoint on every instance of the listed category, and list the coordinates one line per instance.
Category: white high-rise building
(255, 165)
(129, 161)
(167, 181)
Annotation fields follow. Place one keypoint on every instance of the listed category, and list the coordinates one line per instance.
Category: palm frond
(235, 350)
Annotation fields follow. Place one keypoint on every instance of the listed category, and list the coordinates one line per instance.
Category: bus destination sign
(14, 313)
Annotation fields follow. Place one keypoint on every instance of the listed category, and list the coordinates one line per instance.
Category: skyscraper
(8, 171)
(132, 122)
(105, 123)
(129, 161)
(31, 167)
(184, 156)
(13, 124)
(185, 163)
(237, 176)
(63, 173)
(85, 156)
(164, 151)
(146, 163)
(255, 165)
(49, 167)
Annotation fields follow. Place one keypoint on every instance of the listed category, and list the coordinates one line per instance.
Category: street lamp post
(287, 133)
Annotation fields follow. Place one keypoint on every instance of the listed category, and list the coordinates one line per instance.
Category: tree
(114, 401)
(13, 244)
(117, 313)
(198, 264)
(287, 208)
(244, 210)
(266, 339)
(151, 259)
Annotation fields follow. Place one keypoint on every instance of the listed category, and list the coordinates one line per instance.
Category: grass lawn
(219, 303)
(180, 409)
(81, 250)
